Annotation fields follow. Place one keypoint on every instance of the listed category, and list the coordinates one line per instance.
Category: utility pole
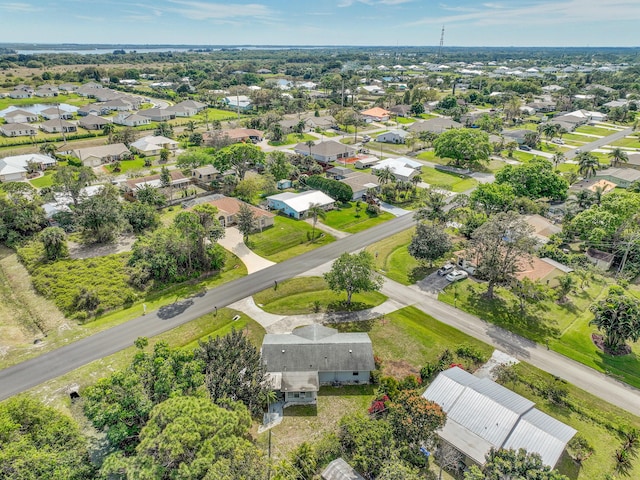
(631, 241)
(439, 54)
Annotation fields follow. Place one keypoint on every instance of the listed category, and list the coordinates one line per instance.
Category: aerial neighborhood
(335, 263)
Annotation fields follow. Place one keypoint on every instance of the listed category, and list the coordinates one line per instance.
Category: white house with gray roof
(298, 363)
(482, 415)
(296, 204)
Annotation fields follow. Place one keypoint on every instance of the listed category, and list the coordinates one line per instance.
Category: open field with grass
(292, 139)
(564, 327)
(347, 219)
(286, 239)
(392, 258)
(578, 139)
(449, 181)
(304, 295)
(600, 131)
(404, 120)
(45, 180)
(71, 331)
(430, 156)
(629, 142)
(126, 165)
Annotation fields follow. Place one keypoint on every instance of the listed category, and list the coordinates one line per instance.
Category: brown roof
(175, 176)
(231, 206)
(242, 133)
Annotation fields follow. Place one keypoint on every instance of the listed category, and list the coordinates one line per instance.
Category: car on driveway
(557, 141)
(457, 275)
(446, 268)
(526, 148)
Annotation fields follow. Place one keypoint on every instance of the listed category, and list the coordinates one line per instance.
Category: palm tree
(588, 164)
(109, 129)
(48, 149)
(191, 126)
(561, 131)
(582, 199)
(310, 144)
(549, 130)
(618, 156)
(598, 192)
(315, 211)
(558, 158)
(385, 175)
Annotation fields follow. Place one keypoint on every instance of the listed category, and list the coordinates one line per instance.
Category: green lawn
(630, 142)
(72, 99)
(392, 258)
(304, 295)
(425, 116)
(45, 181)
(430, 156)
(602, 132)
(565, 327)
(404, 120)
(127, 165)
(286, 239)
(346, 218)
(450, 181)
(579, 139)
(293, 138)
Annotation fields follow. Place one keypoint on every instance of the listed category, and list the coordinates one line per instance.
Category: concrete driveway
(433, 284)
(393, 210)
(233, 242)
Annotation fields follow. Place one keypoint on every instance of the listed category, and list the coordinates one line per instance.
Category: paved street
(601, 142)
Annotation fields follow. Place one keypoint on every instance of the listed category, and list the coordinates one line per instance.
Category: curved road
(30, 373)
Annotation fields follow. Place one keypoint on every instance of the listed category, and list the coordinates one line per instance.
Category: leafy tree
(141, 216)
(467, 147)
(618, 156)
(315, 212)
(246, 221)
(240, 156)
(55, 243)
(71, 180)
(414, 418)
(588, 164)
(278, 165)
(618, 317)
(109, 129)
(368, 443)
(500, 246)
(502, 464)
(100, 216)
(164, 155)
(276, 132)
(385, 175)
(565, 285)
(433, 208)
(398, 470)
(39, 442)
(493, 197)
(469, 220)
(335, 189)
(151, 196)
(534, 179)
(184, 438)
(579, 449)
(233, 370)
(164, 129)
(429, 243)
(353, 273)
(248, 188)
(126, 136)
(165, 177)
(303, 461)
(527, 292)
(196, 139)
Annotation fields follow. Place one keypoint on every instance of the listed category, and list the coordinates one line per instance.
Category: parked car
(526, 148)
(366, 139)
(558, 141)
(457, 275)
(446, 268)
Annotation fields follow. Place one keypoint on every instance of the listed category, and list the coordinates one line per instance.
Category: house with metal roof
(298, 363)
(482, 415)
(296, 204)
(434, 125)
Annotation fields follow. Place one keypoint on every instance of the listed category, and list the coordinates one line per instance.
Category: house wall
(389, 138)
(283, 207)
(300, 397)
(327, 378)
(13, 177)
(92, 162)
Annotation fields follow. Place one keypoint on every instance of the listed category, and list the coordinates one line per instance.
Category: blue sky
(324, 22)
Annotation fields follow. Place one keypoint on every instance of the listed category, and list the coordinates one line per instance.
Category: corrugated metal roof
(444, 391)
(340, 470)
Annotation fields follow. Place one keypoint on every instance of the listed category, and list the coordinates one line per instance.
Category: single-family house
(298, 363)
(15, 168)
(434, 125)
(401, 110)
(404, 161)
(177, 180)
(366, 162)
(401, 172)
(92, 109)
(241, 135)
(52, 113)
(482, 415)
(15, 94)
(187, 108)
(290, 125)
(238, 102)
(372, 89)
(154, 144)
(68, 87)
(542, 227)
(228, 208)
(338, 173)
(376, 114)
(20, 116)
(339, 469)
(206, 173)
(622, 177)
(17, 130)
(327, 151)
(96, 156)
(118, 105)
(517, 136)
(323, 122)
(10, 172)
(157, 114)
(45, 92)
(296, 204)
(93, 122)
(131, 120)
(602, 260)
(393, 136)
(361, 183)
(58, 126)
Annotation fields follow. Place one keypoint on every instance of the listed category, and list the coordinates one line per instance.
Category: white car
(457, 275)
(446, 268)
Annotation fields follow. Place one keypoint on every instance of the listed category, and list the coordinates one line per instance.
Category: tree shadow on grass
(341, 306)
(342, 390)
(359, 326)
(418, 273)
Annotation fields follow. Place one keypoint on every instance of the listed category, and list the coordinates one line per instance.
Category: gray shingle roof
(340, 470)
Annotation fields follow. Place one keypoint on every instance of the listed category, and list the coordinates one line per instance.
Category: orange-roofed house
(376, 114)
(228, 208)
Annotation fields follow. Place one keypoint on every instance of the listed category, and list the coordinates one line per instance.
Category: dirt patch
(598, 341)
(399, 369)
(122, 244)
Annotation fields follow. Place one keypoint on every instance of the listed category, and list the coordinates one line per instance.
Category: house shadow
(342, 390)
(301, 411)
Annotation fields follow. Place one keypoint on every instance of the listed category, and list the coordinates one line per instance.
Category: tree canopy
(429, 243)
(502, 464)
(466, 147)
(534, 179)
(353, 273)
(239, 156)
(618, 317)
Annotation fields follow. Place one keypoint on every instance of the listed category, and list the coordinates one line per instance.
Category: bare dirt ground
(122, 244)
(25, 316)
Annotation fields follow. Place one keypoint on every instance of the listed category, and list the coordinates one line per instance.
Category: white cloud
(219, 11)
(19, 7)
(348, 3)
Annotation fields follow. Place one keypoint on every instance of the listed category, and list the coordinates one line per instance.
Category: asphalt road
(28, 374)
(600, 142)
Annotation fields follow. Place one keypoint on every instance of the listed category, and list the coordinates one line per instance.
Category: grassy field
(72, 331)
(72, 99)
(630, 142)
(404, 120)
(304, 295)
(292, 139)
(430, 156)
(45, 180)
(126, 165)
(346, 218)
(564, 327)
(286, 239)
(578, 139)
(600, 131)
(449, 181)
(393, 260)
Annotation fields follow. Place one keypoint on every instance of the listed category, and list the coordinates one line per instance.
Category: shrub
(472, 353)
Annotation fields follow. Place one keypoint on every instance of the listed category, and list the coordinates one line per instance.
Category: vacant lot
(348, 218)
(448, 181)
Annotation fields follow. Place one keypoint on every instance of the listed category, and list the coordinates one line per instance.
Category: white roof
(401, 161)
(482, 415)
(19, 162)
(152, 142)
(300, 202)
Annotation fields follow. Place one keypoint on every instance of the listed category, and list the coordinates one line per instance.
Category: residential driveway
(233, 242)
(328, 229)
(433, 284)
(395, 211)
